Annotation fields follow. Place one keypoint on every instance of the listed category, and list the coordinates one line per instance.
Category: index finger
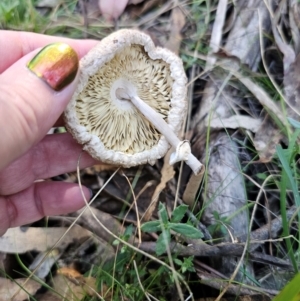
(17, 44)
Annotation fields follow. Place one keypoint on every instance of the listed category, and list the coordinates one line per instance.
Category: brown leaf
(74, 288)
(17, 290)
(69, 272)
(192, 187)
(17, 240)
(100, 167)
(167, 173)
(92, 219)
(48, 296)
(266, 139)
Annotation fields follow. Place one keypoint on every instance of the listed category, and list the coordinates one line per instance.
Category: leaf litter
(228, 131)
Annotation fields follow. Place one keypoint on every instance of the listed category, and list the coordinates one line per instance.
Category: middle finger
(54, 155)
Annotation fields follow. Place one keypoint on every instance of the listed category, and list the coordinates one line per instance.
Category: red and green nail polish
(57, 64)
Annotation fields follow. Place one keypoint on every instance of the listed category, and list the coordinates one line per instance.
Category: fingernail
(91, 193)
(56, 64)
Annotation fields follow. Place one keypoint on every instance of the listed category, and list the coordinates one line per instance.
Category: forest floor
(236, 233)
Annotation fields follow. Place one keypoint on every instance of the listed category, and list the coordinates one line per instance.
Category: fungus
(130, 102)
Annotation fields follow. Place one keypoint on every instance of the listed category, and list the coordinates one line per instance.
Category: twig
(223, 249)
(232, 289)
(216, 34)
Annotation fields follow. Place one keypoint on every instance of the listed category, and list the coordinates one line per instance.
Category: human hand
(29, 107)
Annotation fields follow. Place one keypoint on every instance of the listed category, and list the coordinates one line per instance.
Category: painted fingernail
(56, 64)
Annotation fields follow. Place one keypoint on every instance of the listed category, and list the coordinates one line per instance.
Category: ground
(160, 232)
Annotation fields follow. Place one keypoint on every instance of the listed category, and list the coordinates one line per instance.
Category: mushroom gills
(118, 124)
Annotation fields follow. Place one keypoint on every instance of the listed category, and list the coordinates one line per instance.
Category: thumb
(33, 94)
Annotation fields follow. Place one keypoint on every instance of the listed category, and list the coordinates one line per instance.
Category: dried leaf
(48, 296)
(177, 20)
(294, 21)
(72, 284)
(291, 63)
(69, 272)
(17, 290)
(236, 122)
(92, 219)
(292, 89)
(192, 187)
(217, 93)
(266, 139)
(21, 240)
(243, 39)
(74, 288)
(99, 168)
(167, 173)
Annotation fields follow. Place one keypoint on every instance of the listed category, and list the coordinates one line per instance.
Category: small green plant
(186, 265)
(7, 11)
(289, 182)
(120, 277)
(118, 274)
(220, 224)
(165, 225)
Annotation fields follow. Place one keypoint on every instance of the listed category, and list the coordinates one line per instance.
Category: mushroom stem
(182, 148)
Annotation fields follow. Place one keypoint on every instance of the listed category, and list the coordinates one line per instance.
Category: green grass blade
(291, 291)
(289, 174)
(285, 222)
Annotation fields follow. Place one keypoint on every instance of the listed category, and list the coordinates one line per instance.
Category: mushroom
(130, 102)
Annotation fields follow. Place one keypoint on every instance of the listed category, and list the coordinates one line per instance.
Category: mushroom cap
(112, 130)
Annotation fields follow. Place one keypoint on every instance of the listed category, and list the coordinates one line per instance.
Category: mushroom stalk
(182, 148)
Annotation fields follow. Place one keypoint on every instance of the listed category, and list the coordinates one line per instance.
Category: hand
(29, 107)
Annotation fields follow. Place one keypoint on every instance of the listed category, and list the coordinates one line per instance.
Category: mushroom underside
(117, 122)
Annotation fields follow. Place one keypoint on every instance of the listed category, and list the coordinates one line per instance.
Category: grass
(271, 188)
